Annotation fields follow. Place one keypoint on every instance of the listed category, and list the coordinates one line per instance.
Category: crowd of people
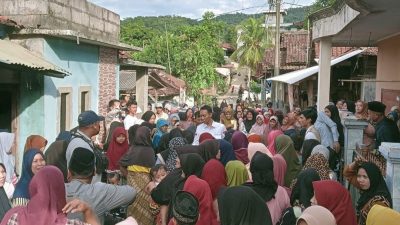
(203, 165)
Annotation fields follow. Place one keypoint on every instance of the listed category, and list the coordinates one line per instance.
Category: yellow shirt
(141, 169)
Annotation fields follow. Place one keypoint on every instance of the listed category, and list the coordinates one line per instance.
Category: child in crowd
(157, 174)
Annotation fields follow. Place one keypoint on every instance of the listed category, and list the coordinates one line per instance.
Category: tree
(253, 41)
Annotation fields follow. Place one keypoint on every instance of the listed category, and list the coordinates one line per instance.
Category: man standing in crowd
(385, 129)
(131, 119)
(100, 196)
(307, 119)
(160, 114)
(208, 125)
(89, 126)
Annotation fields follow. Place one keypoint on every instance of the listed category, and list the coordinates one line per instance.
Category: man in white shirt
(160, 114)
(131, 118)
(209, 125)
(307, 119)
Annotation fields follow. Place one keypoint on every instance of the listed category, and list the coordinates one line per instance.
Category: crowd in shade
(202, 166)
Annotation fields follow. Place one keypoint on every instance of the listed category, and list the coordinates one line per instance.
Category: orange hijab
(35, 141)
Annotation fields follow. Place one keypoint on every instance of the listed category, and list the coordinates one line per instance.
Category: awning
(14, 54)
(298, 75)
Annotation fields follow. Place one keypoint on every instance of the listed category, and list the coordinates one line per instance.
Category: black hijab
(208, 149)
(55, 155)
(192, 164)
(132, 133)
(308, 146)
(141, 152)
(377, 186)
(240, 205)
(262, 172)
(303, 190)
(249, 123)
(4, 201)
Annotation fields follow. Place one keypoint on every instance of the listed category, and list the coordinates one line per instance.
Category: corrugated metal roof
(298, 75)
(14, 54)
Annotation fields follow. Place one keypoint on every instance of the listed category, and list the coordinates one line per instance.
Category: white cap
(159, 105)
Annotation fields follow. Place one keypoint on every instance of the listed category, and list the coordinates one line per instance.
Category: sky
(189, 8)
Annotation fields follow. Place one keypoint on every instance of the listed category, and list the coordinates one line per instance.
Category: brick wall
(107, 78)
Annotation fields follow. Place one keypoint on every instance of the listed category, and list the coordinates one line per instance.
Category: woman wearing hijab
(227, 153)
(333, 196)
(308, 146)
(242, 206)
(300, 197)
(32, 162)
(369, 131)
(35, 141)
(240, 144)
(273, 124)
(55, 155)
(258, 127)
(209, 149)
(249, 121)
(271, 140)
(162, 128)
(252, 149)
(4, 199)
(205, 136)
(236, 173)
(284, 146)
(255, 138)
(280, 171)
(163, 151)
(382, 215)
(136, 163)
(316, 215)
(117, 148)
(333, 113)
(6, 156)
(289, 125)
(174, 144)
(367, 177)
(201, 190)
(48, 204)
(214, 174)
(264, 184)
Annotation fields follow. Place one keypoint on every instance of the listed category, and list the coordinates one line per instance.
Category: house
(361, 23)
(77, 37)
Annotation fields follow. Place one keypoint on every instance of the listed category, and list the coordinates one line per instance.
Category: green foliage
(255, 40)
(255, 87)
(236, 18)
(296, 14)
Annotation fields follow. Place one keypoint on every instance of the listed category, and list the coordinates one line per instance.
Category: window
(84, 98)
(64, 106)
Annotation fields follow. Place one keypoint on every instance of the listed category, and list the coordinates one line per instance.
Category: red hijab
(205, 136)
(201, 190)
(271, 140)
(240, 144)
(116, 150)
(47, 193)
(333, 196)
(214, 174)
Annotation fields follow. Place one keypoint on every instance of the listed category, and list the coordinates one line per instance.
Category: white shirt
(131, 120)
(163, 115)
(216, 130)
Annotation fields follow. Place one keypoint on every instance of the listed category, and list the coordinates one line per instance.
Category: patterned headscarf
(173, 145)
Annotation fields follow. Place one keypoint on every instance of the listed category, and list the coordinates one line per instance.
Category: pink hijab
(47, 193)
(271, 140)
(280, 171)
(257, 147)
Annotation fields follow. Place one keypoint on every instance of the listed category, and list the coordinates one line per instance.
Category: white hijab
(6, 142)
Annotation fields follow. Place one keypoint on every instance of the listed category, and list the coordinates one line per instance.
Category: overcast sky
(188, 8)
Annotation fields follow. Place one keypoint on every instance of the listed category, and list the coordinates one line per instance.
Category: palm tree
(252, 43)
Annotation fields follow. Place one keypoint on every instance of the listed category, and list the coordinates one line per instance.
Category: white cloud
(188, 8)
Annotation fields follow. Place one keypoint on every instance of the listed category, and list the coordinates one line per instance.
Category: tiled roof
(293, 49)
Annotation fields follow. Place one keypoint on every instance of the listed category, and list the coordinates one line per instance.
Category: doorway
(8, 108)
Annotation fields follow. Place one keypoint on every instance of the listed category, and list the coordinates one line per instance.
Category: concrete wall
(92, 21)
(83, 62)
(388, 66)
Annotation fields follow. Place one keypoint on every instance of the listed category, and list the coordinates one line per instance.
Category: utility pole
(277, 86)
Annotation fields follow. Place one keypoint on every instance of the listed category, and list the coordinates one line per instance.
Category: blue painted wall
(83, 62)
